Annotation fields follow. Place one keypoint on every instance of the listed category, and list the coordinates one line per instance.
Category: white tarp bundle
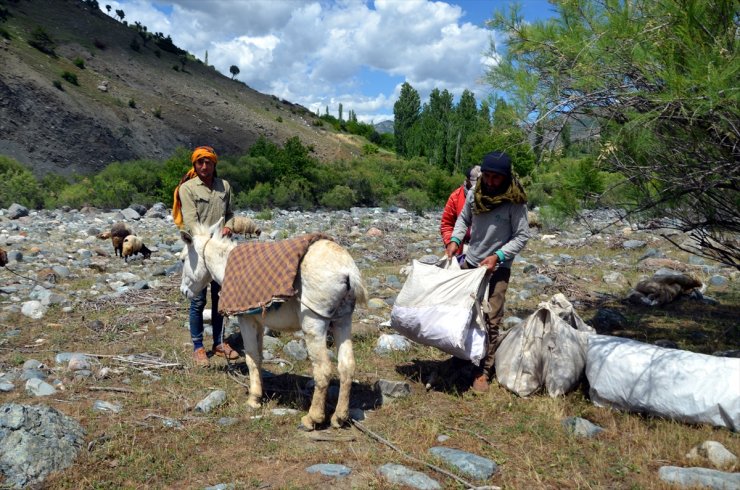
(548, 349)
(671, 383)
(440, 307)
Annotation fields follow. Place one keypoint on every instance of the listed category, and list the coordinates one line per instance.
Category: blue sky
(321, 53)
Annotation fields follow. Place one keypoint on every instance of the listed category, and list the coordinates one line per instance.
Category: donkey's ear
(215, 230)
(186, 237)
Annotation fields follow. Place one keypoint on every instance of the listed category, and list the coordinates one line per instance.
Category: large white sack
(437, 307)
(547, 349)
(671, 383)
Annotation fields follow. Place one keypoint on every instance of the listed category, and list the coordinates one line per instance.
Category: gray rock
(699, 477)
(470, 464)
(581, 427)
(608, 320)
(32, 374)
(400, 475)
(6, 386)
(633, 244)
(613, 278)
(718, 281)
(16, 211)
(32, 364)
(227, 421)
(334, 470)
(295, 349)
(221, 486)
(33, 309)
(39, 387)
(393, 389)
(36, 441)
(104, 406)
(387, 343)
(716, 453)
(130, 214)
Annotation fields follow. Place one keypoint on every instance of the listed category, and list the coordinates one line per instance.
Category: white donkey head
(195, 273)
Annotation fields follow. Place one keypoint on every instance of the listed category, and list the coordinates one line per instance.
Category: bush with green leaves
(18, 185)
(340, 197)
(70, 77)
(42, 41)
(79, 63)
(132, 103)
(58, 85)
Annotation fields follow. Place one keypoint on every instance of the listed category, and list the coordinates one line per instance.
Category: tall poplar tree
(405, 114)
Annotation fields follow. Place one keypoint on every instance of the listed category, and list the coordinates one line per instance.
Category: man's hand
(226, 231)
(490, 262)
(451, 249)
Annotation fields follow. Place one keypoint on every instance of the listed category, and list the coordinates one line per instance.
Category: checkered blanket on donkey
(258, 274)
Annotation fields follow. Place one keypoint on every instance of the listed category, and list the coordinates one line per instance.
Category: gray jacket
(505, 228)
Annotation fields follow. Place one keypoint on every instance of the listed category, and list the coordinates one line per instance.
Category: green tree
(405, 114)
(464, 123)
(340, 112)
(234, 70)
(660, 78)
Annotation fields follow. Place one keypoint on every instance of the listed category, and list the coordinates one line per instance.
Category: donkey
(328, 275)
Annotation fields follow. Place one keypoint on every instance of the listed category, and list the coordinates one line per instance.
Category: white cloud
(319, 53)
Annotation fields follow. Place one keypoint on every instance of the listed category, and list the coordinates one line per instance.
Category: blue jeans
(197, 305)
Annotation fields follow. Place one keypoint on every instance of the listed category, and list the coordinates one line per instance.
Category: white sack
(436, 307)
(671, 383)
(547, 349)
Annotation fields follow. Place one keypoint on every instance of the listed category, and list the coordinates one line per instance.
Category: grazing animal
(245, 226)
(133, 245)
(118, 234)
(3, 257)
(327, 272)
(663, 288)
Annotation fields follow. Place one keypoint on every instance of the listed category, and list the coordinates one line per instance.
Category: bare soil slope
(82, 128)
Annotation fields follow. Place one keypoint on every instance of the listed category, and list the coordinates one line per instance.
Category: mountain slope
(128, 104)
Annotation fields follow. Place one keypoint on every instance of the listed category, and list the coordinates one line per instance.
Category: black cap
(498, 162)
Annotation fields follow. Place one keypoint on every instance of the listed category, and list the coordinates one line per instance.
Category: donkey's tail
(357, 286)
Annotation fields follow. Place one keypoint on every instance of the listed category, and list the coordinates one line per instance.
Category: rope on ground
(380, 439)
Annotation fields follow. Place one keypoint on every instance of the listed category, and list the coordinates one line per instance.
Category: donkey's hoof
(339, 422)
(307, 424)
(253, 403)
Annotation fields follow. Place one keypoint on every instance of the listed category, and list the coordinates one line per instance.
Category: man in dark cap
(496, 212)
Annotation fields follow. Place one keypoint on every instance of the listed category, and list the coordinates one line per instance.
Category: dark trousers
(498, 283)
(197, 305)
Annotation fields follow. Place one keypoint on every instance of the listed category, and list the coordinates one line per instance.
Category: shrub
(18, 185)
(279, 119)
(265, 215)
(132, 103)
(58, 85)
(260, 197)
(79, 63)
(414, 200)
(369, 149)
(157, 111)
(176, 67)
(70, 77)
(5, 33)
(42, 41)
(340, 197)
(99, 44)
(134, 44)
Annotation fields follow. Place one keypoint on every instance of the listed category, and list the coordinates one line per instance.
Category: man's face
(204, 168)
(492, 179)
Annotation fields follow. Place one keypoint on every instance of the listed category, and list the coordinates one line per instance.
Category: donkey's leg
(314, 329)
(251, 332)
(346, 368)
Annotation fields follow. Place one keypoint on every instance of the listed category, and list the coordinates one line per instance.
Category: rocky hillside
(128, 103)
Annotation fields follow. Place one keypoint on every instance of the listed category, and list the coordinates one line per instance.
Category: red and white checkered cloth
(260, 273)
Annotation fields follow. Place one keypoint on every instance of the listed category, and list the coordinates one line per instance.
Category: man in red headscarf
(205, 200)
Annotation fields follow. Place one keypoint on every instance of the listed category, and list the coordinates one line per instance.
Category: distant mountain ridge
(133, 99)
(384, 127)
